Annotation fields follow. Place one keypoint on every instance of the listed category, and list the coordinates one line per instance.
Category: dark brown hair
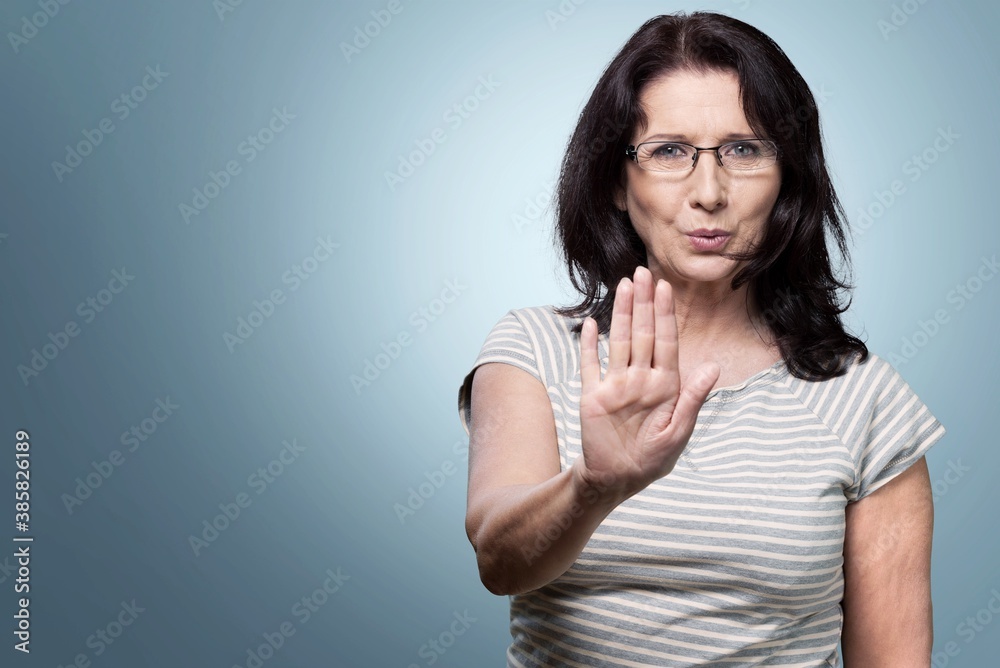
(790, 273)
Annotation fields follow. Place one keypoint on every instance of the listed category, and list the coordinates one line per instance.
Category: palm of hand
(636, 421)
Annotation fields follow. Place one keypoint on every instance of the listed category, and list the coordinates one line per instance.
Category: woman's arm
(527, 521)
(887, 572)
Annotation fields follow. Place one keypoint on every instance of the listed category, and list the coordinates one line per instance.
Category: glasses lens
(665, 156)
(748, 154)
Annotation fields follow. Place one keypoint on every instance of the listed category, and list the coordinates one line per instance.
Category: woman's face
(671, 210)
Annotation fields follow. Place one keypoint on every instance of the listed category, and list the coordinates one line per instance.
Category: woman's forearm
(528, 535)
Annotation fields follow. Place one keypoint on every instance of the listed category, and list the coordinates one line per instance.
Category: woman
(699, 467)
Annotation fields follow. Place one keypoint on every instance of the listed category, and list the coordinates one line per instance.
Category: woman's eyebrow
(684, 138)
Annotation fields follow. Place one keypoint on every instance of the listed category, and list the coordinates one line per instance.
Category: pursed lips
(708, 233)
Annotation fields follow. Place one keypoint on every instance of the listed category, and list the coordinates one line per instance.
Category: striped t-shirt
(734, 558)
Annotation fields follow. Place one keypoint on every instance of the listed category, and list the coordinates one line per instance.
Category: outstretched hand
(637, 420)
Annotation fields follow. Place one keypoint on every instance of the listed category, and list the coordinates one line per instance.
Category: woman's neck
(715, 314)
(718, 324)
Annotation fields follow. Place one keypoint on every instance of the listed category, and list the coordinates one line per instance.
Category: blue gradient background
(452, 219)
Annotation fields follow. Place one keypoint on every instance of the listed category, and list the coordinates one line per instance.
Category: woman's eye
(670, 151)
(743, 150)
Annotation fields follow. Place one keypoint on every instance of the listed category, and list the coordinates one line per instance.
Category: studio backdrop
(249, 250)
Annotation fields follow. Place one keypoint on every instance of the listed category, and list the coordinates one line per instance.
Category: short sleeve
(897, 430)
(508, 342)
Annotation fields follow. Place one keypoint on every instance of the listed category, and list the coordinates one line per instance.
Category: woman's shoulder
(855, 368)
(549, 310)
(544, 319)
(869, 368)
(532, 332)
(866, 380)
(552, 338)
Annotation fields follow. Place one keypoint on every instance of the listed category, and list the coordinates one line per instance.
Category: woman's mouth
(708, 240)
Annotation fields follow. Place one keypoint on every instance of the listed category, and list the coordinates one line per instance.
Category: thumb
(693, 395)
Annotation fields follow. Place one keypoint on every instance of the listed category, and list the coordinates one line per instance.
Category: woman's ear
(620, 199)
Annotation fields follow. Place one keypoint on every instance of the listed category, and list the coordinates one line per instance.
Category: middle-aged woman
(699, 467)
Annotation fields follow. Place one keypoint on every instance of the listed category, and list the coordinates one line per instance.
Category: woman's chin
(704, 269)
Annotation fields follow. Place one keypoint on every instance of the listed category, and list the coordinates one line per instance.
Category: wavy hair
(790, 273)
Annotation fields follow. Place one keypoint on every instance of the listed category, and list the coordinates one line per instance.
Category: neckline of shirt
(772, 373)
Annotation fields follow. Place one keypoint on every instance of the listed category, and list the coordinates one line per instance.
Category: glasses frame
(633, 152)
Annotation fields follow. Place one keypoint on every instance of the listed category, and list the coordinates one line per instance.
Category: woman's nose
(707, 187)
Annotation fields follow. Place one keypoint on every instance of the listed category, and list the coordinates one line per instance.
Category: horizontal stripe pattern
(736, 557)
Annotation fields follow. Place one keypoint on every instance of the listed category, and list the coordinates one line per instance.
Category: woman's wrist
(602, 491)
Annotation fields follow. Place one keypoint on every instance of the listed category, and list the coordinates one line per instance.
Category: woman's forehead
(686, 105)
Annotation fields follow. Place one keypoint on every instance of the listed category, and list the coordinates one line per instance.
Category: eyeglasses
(669, 156)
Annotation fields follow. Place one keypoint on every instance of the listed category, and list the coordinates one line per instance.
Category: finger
(590, 366)
(665, 345)
(693, 395)
(620, 338)
(642, 318)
